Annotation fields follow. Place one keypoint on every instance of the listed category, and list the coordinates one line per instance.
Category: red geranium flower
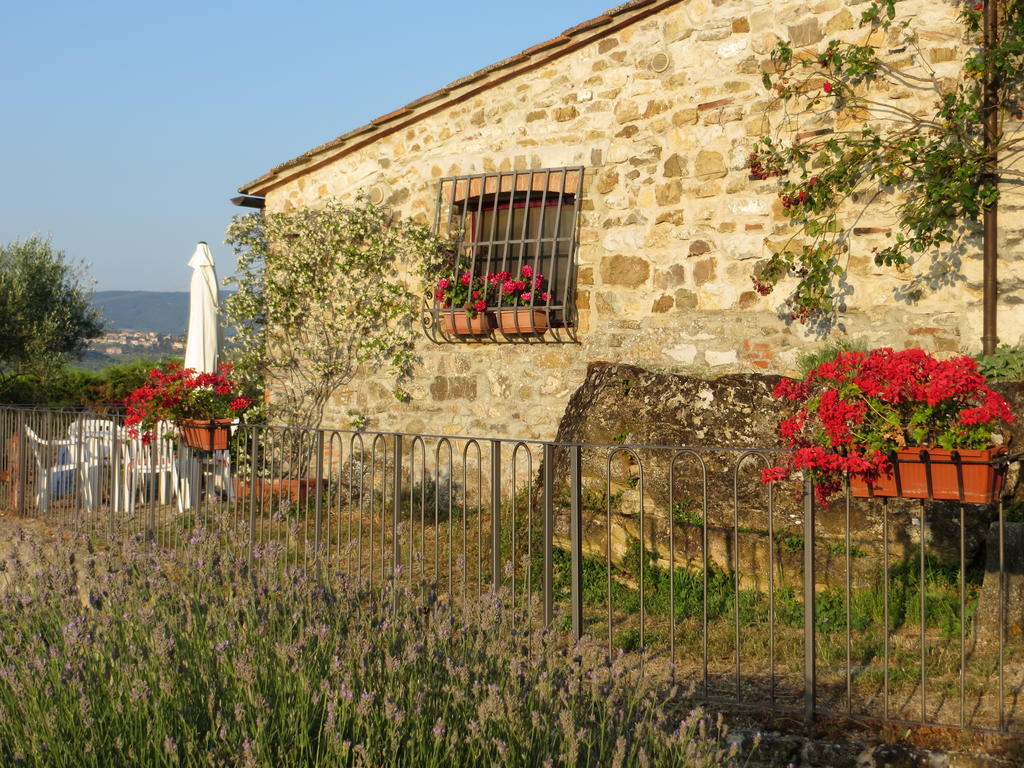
(173, 393)
(850, 411)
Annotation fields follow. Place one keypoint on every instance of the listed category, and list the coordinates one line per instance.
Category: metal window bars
(505, 222)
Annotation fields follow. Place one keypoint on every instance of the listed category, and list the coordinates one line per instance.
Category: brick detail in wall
(757, 354)
(713, 104)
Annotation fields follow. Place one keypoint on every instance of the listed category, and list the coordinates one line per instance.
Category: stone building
(624, 141)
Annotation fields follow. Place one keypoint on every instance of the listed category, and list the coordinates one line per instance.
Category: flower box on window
(522, 320)
(462, 323)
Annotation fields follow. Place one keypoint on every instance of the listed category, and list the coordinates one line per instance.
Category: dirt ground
(34, 541)
(14, 529)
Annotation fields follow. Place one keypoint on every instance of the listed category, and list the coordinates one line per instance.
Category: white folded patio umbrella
(202, 347)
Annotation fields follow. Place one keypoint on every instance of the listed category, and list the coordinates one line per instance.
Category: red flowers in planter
(852, 411)
(172, 393)
(496, 289)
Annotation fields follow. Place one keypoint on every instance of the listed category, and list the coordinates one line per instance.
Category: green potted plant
(521, 301)
(896, 424)
(202, 405)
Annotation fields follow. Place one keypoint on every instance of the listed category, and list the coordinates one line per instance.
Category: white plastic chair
(95, 438)
(58, 463)
(156, 463)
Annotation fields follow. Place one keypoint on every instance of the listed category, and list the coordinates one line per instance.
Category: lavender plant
(144, 658)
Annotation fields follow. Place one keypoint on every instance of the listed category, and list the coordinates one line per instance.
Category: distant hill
(156, 311)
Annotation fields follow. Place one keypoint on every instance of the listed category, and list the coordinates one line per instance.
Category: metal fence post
(154, 484)
(810, 680)
(115, 479)
(21, 482)
(397, 515)
(254, 433)
(496, 515)
(549, 531)
(576, 538)
(319, 494)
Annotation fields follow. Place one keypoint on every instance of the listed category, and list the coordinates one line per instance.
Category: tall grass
(141, 658)
(828, 352)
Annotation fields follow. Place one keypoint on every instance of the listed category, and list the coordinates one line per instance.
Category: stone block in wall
(805, 33)
(669, 194)
(628, 271)
(676, 166)
(699, 248)
(841, 21)
(662, 304)
(684, 117)
(704, 272)
(453, 388)
(686, 299)
(710, 165)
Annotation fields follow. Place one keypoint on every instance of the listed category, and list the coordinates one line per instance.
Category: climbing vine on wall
(924, 167)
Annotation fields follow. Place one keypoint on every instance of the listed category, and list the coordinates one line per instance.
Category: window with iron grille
(517, 232)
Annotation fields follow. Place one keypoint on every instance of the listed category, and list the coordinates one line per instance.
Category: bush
(1005, 364)
(70, 387)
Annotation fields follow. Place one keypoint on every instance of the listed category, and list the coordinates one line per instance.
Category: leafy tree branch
(323, 293)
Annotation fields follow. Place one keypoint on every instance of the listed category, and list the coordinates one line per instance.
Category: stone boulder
(717, 435)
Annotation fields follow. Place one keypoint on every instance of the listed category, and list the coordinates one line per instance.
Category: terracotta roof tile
(597, 21)
(627, 7)
(545, 45)
(438, 94)
(391, 115)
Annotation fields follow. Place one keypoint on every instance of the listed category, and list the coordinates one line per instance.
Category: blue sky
(127, 126)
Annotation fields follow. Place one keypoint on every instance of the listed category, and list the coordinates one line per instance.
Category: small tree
(47, 315)
(931, 168)
(322, 293)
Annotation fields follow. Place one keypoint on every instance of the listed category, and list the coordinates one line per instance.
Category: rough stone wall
(671, 222)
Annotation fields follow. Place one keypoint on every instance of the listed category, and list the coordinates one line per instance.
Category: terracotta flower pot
(295, 489)
(522, 320)
(205, 434)
(982, 482)
(459, 322)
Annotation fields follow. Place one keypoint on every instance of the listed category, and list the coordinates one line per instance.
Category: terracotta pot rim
(916, 449)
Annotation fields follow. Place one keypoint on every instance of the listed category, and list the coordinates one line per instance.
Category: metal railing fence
(742, 593)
